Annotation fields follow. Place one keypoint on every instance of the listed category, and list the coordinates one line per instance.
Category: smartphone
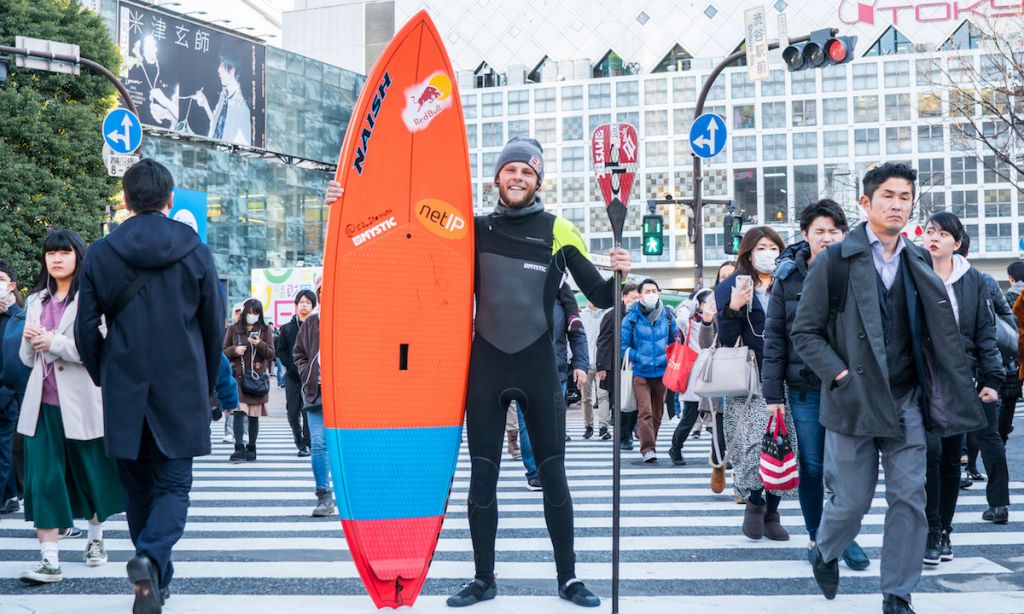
(254, 335)
(744, 281)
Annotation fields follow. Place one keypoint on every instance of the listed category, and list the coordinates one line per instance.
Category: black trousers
(993, 454)
(942, 481)
(296, 417)
(689, 418)
(1007, 407)
(530, 378)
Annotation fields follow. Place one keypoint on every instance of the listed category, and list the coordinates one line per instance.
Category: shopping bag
(778, 468)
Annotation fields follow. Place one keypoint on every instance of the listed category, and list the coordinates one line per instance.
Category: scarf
(653, 313)
(503, 211)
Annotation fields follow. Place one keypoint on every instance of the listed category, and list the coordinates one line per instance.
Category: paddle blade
(615, 149)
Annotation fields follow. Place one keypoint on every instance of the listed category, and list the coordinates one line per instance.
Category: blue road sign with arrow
(122, 131)
(707, 135)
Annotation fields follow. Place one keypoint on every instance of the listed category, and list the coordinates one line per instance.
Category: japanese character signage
(757, 43)
(187, 76)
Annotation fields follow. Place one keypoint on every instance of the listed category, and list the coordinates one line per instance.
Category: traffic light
(822, 50)
(733, 233)
(653, 235)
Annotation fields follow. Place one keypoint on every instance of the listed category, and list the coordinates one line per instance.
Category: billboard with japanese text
(187, 76)
(276, 290)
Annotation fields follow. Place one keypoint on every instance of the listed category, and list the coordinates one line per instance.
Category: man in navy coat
(155, 286)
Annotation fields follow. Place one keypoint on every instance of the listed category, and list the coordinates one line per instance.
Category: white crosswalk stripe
(251, 545)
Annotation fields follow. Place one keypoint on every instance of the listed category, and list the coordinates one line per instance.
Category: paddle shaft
(617, 417)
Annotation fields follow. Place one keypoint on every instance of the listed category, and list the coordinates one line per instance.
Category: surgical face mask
(251, 318)
(649, 300)
(764, 260)
(5, 291)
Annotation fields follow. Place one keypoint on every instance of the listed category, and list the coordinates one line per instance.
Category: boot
(324, 503)
(250, 452)
(239, 455)
(513, 444)
(753, 521)
(773, 529)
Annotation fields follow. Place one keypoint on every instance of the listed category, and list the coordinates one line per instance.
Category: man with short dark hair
(12, 386)
(305, 302)
(879, 337)
(155, 285)
(605, 363)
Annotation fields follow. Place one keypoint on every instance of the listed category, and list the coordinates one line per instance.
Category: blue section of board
(382, 474)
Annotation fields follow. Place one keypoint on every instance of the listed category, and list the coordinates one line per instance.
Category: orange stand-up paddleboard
(396, 317)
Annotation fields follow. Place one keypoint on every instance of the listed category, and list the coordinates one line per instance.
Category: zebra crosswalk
(252, 546)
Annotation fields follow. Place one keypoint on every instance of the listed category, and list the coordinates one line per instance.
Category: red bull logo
(426, 100)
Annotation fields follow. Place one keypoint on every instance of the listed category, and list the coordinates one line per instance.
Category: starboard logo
(441, 218)
(374, 231)
(426, 100)
(370, 121)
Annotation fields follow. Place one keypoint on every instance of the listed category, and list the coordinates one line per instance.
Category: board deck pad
(396, 312)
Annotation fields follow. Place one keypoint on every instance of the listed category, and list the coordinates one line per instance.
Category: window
(657, 152)
(684, 90)
(805, 113)
(962, 103)
(960, 68)
(804, 81)
(891, 42)
(963, 170)
(520, 127)
(997, 203)
(865, 109)
(931, 202)
(965, 204)
(837, 144)
(628, 117)
(656, 123)
(572, 159)
(676, 60)
(717, 91)
(897, 107)
(492, 105)
(488, 162)
(572, 98)
(773, 115)
(469, 106)
(744, 149)
(598, 120)
(998, 237)
(544, 100)
(966, 37)
(776, 189)
(930, 139)
(928, 72)
(655, 91)
(835, 111)
(898, 140)
(627, 94)
(544, 130)
(805, 145)
(682, 156)
(996, 170)
(494, 134)
(865, 142)
(572, 128)
(471, 136)
(963, 137)
(897, 74)
(745, 190)
(742, 87)
(931, 172)
(474, 165)
(773, 146)
(743, 116)
(574, 191)
(600, 95)
(519, 102)
(775, 84)
(681, 121)
(576, 215)
(929, 105)
(805, 186)
(865, 76)
(833, 78)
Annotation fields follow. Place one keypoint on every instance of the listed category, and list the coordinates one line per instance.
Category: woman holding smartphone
(743, 305)
(249, 345)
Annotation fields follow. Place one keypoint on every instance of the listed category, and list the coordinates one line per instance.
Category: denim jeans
(280, 372)
(318, 449)
(525, 449)
(811, 436)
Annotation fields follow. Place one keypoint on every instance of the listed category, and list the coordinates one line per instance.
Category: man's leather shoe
(999, 514)
(145, 581)
(826, 575)
(896, 605)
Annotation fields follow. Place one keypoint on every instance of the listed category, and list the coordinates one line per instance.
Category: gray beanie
(527, 151)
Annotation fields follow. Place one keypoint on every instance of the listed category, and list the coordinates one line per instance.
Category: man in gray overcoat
(886, 345)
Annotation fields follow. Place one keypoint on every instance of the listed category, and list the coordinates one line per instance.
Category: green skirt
(66, 478)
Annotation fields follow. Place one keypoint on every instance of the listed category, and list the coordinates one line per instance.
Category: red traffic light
(836, 50)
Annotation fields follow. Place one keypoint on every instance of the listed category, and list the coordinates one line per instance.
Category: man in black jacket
(155, 285)
(305, 302)
(605, 363)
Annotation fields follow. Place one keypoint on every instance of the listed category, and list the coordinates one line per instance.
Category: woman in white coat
(67, 472)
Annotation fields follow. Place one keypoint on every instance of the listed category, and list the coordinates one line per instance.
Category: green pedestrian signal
(732, 234)
(653, 235)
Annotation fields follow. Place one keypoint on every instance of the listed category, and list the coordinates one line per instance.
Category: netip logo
(853, 13)
(441, 218)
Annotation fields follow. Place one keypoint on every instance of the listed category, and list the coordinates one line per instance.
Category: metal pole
(698, 205)
(617, 428)
(91, 65)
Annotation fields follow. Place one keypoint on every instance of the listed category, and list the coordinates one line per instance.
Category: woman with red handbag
(699, 334)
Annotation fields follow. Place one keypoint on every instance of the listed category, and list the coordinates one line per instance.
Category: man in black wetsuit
(522, 254)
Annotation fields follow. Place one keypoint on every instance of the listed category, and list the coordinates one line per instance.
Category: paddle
(614, 148)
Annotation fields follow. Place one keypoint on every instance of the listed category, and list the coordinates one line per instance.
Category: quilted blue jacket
(647, 342)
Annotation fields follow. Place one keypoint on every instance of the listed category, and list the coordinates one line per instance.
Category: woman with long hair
(743, 303)
(67, 472)
(249, 345)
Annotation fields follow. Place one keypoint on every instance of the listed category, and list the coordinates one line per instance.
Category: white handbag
(726, 372)
(627, 398)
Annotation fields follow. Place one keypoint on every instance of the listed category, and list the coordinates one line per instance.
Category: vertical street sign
(783, 33)
(757, 43)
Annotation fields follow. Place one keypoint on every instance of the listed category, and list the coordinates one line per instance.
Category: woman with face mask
(249, 345)
(744, 299)
(648, 328)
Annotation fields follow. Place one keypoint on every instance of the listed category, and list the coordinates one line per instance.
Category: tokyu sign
(855, 12)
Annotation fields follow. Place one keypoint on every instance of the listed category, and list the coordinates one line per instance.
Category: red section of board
(396, 573)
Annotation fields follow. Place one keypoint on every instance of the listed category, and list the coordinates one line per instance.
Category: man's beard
(531, 194)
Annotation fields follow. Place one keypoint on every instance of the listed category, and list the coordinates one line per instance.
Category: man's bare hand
(334, 192)
(620, 260)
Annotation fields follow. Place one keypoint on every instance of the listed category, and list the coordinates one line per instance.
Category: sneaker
(975, 476)
(932, 549)
(587, 434)
(605, 435)
(303, 452)
(650, 457)
(965, 481)
(625, 445)
(695, 435)
(10, 506)
(945, 548)
(998, 515)
(42, 573)
(228, 439)
(574, 591)
(534, 484)
(567, 438)
(517, 456)
(324, 504)
(95, 553)
(473, 592)
(69, 533)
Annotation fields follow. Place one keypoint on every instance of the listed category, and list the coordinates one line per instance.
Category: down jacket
(647, 341)
(782, 364)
